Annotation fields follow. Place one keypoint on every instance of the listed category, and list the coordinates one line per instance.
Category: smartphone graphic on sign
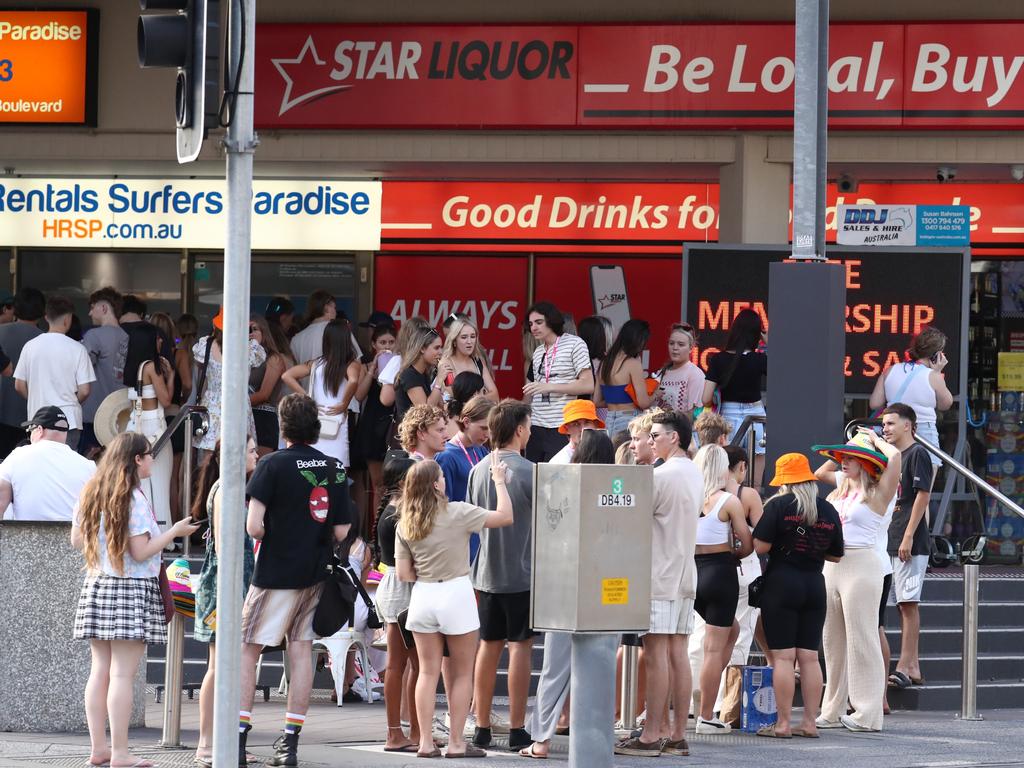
(608, 288)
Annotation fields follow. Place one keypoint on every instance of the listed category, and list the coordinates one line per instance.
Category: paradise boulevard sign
(930, 75)
(187, 213)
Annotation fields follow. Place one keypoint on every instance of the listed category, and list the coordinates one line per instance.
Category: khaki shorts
(672, 617)
(270, 615)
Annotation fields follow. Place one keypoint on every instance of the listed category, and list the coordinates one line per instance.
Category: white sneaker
(499, 723)
(821, 722)
(712, 727)
(850, 724)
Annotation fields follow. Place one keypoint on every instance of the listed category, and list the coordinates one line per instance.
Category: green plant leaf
(310, 477)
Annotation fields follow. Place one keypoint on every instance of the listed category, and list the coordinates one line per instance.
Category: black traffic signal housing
(185, 35)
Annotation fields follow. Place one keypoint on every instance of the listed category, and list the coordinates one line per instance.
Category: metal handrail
(751, 435)
(184, 413)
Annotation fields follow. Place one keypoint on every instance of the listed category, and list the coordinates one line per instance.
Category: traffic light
(186, 36)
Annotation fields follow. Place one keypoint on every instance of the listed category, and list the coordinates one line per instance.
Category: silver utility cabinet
(592, 548)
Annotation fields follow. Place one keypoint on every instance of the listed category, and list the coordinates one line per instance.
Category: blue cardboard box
(758, 699)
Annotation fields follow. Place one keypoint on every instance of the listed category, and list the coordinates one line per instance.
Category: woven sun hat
(792, 468)
(112, 416)
(859, 448)
(579, 410)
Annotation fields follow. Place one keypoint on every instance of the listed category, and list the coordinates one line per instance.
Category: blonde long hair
(107, 497)
(421, 501)
(713, 462)
(418, 340)
(846, 486)
(479, 356)
(806, 498)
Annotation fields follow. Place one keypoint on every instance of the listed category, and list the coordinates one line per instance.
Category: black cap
(6, 299)
(378, 318)
(49, 417)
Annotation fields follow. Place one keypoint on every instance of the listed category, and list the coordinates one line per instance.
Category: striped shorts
(270, 615)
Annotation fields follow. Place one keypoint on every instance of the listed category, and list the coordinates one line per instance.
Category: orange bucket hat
(218, 319)
(579, 410)
(791, 468)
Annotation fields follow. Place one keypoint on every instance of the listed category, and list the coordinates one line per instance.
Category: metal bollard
(969, 682)
(751, 454)
(175, 650)
(630, 681)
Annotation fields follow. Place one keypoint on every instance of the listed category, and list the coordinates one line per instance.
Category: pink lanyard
(458, 441)
(549, 359)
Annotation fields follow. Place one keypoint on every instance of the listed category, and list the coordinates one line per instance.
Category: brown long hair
(421, 501)
(108, 497)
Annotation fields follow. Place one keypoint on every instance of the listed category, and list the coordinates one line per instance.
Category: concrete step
(992, 667)
(949, 640)
(945, 697)
(950, 613)
(948, 585)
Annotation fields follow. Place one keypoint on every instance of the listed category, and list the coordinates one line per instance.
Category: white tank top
(711, 530)
(861, 525)
(919, 394)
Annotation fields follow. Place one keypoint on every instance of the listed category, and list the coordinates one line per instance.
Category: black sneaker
(351, 697)
(482, 737)
(518, 738)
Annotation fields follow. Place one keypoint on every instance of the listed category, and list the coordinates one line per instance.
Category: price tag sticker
(614, 591)
(616, 500)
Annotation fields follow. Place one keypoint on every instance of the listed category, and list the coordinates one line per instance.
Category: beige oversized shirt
(444, 554)
(678, 496)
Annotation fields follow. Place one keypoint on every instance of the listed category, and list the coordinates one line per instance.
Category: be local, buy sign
(698, 76)
(187, 213)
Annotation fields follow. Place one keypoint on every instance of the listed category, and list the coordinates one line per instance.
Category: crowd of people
(405, 463)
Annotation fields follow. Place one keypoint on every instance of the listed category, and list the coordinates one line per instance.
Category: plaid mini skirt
(116, 608)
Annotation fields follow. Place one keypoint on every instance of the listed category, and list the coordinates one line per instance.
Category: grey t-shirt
(13, 337)
(502, 564)
(107, 346)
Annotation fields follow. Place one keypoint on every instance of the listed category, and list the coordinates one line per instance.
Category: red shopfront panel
(491, 289)
(652, 288)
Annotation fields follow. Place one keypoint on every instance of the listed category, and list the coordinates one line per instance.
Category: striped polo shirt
(569, 358)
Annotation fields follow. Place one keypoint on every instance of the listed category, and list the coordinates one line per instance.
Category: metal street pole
(810, 129)
(240, 145)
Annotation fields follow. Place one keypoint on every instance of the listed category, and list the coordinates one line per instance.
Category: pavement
(352, 735)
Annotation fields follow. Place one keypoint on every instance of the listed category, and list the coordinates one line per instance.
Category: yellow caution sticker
(614, 591)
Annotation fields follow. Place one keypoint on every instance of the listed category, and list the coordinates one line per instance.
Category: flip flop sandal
(528, 752)
(769, 731)
(471, 751)
(403, 748)
(899, 680)
(917, 680)
(434, 753)
(806, 734)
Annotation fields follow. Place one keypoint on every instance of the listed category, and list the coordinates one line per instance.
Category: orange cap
(792, 468)
(579, 410)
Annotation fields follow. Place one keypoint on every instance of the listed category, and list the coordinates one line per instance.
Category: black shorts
(886, 586)
(793, 607)
(267, 430)
(544, 443)
(504, 616)
(718, 588)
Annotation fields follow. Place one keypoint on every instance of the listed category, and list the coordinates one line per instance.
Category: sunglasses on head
(682, 327)
(432, 334)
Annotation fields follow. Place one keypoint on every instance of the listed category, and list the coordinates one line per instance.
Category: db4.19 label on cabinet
(616, 500)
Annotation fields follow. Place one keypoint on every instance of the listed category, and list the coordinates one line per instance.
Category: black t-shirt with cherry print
(306, 493)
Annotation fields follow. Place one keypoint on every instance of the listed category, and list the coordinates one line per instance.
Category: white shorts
(448, 607)
(672, 617)
(908, 578)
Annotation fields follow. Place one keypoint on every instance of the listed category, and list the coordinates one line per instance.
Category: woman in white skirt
(333, 380)
(432, 550)
(120, 609)
(865, 492)
(150, 381)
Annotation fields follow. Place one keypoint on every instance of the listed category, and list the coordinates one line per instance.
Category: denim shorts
(930, 432)
(734, 413)
(616, 421)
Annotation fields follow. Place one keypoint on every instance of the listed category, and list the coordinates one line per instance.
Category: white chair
(338, 645)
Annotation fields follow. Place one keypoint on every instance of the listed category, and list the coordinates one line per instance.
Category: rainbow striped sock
(293, 723)
(244, 722)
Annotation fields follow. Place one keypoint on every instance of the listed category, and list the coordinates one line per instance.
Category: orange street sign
(48, 66)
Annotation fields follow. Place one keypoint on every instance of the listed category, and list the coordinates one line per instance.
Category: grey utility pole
(810, 129)
(240, 144)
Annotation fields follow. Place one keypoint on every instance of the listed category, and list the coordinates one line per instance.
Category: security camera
(945, 173)
(1017, 172)
(846, 183)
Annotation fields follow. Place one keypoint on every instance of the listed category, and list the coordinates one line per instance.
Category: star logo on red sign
(303, 85)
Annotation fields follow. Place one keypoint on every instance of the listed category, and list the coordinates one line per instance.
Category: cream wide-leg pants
(853, 657)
